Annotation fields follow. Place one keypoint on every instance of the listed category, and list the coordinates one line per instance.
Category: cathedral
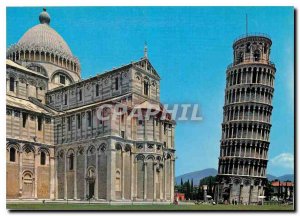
(61, 146)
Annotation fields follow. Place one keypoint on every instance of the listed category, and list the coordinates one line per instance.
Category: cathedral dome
(43, 39)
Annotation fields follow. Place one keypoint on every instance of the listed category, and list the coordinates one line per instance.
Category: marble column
(52, 175)
(20, 173)
(160, 183)
(84, 174)
(97, 175)
(165, 181)
(123, 174)
(65, 177)
(111, 167)
(145, 128)
(55, 177)
(35, 173)
(75, 175)
(154, 180)
(131, 175)
(145, 180)
(172, 179)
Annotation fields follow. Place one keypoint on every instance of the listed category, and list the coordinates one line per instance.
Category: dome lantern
(44, 17)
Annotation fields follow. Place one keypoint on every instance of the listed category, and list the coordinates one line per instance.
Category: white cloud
(284, 160)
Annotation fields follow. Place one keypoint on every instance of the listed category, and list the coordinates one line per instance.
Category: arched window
(12, 154)
(40, 123)
(254, 76)
(27, 177)
(78, 121)
(89, 118)
(238, 77)
(146, 87)
(97, 90)
(43, 158)
(118, 181)
(66, 99)
(24, 115)
(71, 161)
(116, 83)
(12, 84)
(38, 69)
(234, 78)
(80, 95)
(240, 57)
(62, 79)
(91, 151)
(256, 55)
(36, 92)
(248, 48)
(91, 173)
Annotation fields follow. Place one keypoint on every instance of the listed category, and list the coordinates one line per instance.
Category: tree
(192, 189)
(269, 190)
(183, 190)
(199, 191)
(279, 189)
(285, 191)
(188, 190)
(180, 188)
(209, 188)
(177, 188)
(206, 180)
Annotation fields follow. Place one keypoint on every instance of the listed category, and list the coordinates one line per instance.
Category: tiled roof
(24, 104)
(20, 67)
(282, 184)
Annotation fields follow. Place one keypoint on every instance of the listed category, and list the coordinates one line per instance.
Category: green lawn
(63, 206)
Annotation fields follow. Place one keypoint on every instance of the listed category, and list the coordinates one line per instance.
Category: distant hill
(286, 177)
(198, 175)
(271, 177)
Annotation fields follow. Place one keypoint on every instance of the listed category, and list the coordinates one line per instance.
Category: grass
(106, 207)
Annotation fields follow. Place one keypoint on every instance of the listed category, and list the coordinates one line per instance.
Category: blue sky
(190, 47)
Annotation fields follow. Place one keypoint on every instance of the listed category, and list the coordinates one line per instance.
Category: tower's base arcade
(240, 190)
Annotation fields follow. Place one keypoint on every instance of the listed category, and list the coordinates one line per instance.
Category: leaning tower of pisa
(246, 121)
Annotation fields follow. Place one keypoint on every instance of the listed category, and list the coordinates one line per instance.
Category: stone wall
(28, 176)
(12, 179)
(89, 91)
(17, 129)
(26, 84)
(43, 182)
